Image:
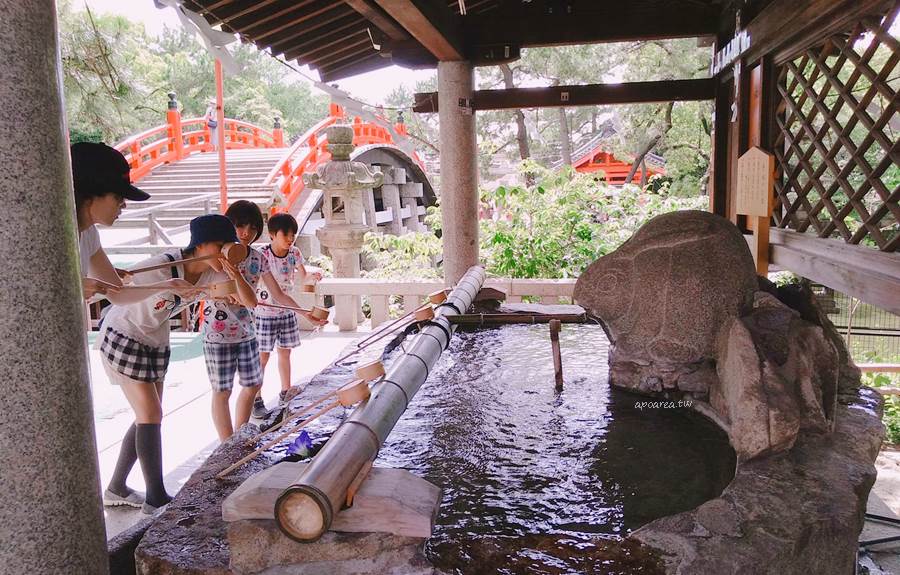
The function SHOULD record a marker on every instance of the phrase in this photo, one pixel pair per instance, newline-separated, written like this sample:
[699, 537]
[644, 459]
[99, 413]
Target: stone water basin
[539, 481]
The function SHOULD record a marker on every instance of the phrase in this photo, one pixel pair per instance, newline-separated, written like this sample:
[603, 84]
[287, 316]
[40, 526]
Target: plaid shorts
[282, 330]
[134, 359]
[223, 359]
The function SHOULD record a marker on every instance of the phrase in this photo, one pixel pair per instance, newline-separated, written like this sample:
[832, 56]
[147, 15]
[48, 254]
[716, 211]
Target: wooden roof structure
[809, 81]
[344, 38]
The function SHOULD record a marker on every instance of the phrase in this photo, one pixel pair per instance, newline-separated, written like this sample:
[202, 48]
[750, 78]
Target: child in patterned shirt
[229, 329]
[277, 327]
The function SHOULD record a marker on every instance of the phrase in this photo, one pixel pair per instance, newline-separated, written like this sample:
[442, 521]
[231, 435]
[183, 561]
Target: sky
[371, 88]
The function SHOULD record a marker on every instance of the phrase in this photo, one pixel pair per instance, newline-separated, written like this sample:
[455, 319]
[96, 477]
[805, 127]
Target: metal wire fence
[872, 334]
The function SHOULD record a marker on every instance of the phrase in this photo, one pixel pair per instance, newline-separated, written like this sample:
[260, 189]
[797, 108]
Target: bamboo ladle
[348, 395]
[424, 313]
[234, 253]
[434, 298]
[317, 312]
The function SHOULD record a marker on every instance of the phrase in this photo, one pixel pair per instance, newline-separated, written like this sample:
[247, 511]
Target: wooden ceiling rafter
[376, 17]
[434, 26]
[335, 36]
[308, 28]
[276, 14]
[419, 33]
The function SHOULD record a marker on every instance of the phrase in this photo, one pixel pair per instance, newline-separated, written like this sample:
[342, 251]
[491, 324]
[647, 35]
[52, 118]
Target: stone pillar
[409, 194]
[390, 196]
[51, 519]
[459, 172]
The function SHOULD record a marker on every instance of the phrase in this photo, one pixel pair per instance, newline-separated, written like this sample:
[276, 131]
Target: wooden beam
[786, 27]
[586, 95]
[379, 19]
[865, 273]
[588, 21]
[429, 22]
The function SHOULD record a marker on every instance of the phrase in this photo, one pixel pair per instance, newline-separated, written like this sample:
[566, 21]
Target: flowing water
[539, 481]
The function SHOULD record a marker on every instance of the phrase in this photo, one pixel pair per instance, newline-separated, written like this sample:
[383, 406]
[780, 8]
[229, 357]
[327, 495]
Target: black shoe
[259, 410]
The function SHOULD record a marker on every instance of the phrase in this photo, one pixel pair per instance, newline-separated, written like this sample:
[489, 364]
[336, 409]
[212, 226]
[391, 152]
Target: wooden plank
[431, 23]
[864, 273]
[585, 95]
[388, 501]
[880, 368]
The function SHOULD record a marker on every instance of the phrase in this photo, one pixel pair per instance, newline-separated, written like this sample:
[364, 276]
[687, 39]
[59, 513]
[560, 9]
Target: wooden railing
[178, 139]
[311, 148]
[348, 291]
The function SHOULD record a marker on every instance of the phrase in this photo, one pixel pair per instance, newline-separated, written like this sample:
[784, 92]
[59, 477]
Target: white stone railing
[347, 293]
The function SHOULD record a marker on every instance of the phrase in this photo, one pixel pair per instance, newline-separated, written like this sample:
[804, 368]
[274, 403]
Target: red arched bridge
[177, 164]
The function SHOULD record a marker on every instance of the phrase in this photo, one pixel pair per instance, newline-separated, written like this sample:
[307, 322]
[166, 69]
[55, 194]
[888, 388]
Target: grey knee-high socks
[127, 457]
[148, 441]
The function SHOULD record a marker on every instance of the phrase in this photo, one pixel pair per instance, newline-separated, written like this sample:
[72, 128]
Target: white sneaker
[133, 499]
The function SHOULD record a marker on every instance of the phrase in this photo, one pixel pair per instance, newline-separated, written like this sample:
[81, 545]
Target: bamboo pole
[305, 510]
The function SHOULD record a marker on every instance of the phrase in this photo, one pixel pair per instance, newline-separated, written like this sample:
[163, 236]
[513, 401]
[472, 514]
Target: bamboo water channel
[306, 509]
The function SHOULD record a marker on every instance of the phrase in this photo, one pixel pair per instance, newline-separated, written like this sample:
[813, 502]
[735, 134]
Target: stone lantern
[344, 185]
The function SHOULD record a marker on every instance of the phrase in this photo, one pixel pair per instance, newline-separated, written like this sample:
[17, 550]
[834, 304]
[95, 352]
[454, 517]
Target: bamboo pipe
[350, 394]
[234, 253]
[305, 510]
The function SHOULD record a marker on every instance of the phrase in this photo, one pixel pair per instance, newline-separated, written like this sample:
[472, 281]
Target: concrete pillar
[51, 519]
[459, 171]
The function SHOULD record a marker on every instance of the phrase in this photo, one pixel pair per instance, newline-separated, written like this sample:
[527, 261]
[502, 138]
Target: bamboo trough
[305, 510]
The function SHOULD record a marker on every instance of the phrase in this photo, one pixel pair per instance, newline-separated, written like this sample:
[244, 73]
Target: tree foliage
[116, 78]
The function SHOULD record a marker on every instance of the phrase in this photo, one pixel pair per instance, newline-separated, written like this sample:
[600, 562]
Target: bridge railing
[179, 138]
[311, 148]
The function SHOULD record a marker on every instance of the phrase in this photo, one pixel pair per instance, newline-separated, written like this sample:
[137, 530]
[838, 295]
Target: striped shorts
[281, 330]
[224, 359]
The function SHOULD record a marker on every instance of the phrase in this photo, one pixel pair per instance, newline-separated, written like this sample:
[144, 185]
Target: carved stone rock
[663, 297]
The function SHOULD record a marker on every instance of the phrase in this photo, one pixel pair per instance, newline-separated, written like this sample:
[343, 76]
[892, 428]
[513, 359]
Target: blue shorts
[281, 330]
[224, 359]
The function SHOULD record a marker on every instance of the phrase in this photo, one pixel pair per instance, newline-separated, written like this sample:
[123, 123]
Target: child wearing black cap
[102, 183]
[135, 348]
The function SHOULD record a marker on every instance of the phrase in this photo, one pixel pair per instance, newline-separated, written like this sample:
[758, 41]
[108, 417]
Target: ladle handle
[297, 427]
[362, 346]
[388, 327]
[289, 307]
[291, 416]
[173, 263]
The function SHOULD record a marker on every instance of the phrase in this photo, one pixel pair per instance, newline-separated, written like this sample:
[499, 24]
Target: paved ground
[885, 500]
[187, 430]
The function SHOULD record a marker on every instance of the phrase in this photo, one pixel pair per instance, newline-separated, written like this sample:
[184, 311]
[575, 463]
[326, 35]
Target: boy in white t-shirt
[278, 328]
[229, 329]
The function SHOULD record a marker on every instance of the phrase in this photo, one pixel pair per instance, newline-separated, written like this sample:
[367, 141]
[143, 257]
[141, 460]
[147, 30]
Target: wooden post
[220, 119]
[278, 134]
[555, 326]
[173, 118]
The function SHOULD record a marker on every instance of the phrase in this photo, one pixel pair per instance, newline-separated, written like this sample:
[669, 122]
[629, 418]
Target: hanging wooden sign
[755, 182]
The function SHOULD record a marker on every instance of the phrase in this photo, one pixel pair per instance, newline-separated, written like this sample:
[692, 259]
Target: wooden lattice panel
[835, 137]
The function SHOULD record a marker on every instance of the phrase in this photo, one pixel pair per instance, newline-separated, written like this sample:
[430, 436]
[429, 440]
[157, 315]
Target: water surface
[539, 481]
